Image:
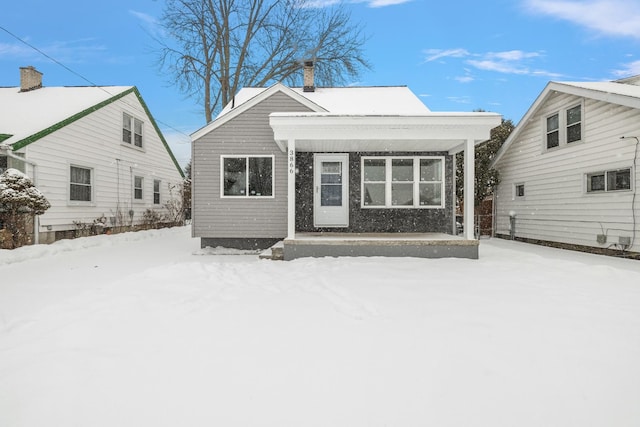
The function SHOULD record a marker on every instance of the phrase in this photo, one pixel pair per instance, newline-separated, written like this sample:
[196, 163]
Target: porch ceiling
[343, 133]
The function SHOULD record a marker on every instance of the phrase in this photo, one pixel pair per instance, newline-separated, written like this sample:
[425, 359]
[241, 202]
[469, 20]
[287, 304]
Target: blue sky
[457, 56]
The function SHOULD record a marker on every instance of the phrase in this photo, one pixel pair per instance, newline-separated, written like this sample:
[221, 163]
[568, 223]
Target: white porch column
[469, 190]
[291, 193]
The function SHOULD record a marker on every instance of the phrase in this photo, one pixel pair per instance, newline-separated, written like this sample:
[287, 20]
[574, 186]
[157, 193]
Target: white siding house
[92, 151]
[569, 171]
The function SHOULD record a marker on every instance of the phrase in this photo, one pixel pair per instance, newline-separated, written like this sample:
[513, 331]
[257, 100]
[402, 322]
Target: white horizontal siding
[556, 206]
[247, 134]
[94, 141]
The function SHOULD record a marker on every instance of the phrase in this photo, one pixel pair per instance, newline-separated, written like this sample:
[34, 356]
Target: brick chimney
[30, 79]
[309, 84]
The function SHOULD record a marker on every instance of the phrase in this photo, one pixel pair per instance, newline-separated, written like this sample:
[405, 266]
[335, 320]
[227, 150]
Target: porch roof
[431, 131]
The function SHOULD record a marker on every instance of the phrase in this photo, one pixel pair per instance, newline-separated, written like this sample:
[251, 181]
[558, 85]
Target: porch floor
[421, 245]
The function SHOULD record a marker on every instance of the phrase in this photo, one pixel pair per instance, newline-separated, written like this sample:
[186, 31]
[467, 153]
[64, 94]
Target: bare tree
[213, 48]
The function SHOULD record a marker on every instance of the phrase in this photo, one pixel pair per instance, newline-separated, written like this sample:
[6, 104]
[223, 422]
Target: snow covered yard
[145, 329]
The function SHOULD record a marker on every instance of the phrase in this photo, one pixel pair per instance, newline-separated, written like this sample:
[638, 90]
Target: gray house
[334, 171]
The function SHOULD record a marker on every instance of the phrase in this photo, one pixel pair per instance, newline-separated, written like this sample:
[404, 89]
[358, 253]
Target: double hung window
[156, 191]
[80, 184]
[138, 186]
[563, 127]
[247, 176]
[132, 130]
[402, 182]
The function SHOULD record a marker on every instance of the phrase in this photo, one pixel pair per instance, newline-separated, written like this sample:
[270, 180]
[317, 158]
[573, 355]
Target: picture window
[247, 176]
[402, 182]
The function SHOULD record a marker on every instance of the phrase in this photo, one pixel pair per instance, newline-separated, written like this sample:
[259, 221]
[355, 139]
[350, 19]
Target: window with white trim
[607, 181]
[563, 127]
[132, 129]
[247, 176]
[138, 186]
[80, 187]
[518, 190]
[156, 191]
[402, 182]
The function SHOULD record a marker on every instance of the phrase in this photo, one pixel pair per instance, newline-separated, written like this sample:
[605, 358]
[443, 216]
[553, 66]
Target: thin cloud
[506, 62]
[460, 99]
[627, 70]
[68, 52]
[369, 3]
[384, 3]
[610, 17]
[149, 23]
[464, 79]
[434, 54]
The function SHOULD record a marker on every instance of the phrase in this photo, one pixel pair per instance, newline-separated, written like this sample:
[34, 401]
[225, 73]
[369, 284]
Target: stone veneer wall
[373, 220]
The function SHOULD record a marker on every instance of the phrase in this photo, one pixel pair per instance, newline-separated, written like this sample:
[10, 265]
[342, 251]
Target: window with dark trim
[80, 188]
[611, 180]
[247, 176]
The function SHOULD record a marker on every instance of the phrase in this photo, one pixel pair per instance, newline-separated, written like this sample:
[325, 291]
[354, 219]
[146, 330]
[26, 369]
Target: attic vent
[309, 84]
[30, 79]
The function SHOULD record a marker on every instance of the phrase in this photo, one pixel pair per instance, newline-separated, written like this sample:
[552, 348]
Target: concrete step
[274, 253]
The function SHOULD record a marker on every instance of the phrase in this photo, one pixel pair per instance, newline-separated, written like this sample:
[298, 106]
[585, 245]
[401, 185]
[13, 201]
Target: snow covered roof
[624, 92]
[24, 114]
[366, 101]
[373, 100]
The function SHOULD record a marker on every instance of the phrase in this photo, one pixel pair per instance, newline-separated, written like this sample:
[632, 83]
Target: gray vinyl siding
[247, 134]
[556, 206]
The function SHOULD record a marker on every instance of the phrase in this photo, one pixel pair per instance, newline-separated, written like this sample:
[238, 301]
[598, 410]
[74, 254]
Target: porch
[418, 245]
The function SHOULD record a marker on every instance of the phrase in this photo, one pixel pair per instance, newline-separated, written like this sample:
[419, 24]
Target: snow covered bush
[19, 199]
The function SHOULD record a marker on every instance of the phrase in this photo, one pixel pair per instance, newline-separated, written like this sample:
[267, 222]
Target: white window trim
[515, 195]
[247, 156]
[132, 144]
[585, 181]
[563, 127]
[159, 193]
[133, 189]
[93, 186]
[416, 182]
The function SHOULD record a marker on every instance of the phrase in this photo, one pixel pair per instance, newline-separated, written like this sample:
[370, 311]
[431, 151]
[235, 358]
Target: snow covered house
[569, 170]
[333, 171]
[94, 152]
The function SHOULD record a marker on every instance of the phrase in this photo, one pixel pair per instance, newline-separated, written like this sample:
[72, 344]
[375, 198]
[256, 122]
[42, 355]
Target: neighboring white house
[92, 151]
[325, 168]
[569, 171]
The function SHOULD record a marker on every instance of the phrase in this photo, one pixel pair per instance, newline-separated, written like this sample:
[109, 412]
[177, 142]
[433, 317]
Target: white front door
[331, 190]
